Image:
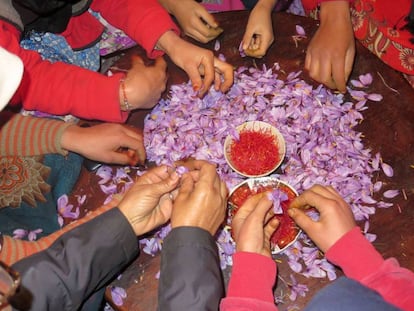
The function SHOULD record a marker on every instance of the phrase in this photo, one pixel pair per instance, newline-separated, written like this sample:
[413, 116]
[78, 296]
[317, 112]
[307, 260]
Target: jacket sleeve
[30, 136]
[251, 283]
[361, 261]
[78, 263]
[59, 88]
[145, 21]
[190, 277]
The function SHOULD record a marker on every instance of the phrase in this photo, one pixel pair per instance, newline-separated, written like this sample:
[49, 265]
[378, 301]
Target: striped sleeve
[30, 136]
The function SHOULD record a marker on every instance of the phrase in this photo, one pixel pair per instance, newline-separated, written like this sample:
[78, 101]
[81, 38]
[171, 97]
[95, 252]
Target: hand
[254, 224]
[147, 204]
[194, 19]
[259, 30]
[331, 52]
[144, 85]
[104, 142]
[336, 217]
[200, 64]
[202, 198]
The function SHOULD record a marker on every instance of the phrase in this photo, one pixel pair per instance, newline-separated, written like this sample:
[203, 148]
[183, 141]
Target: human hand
[147, 204]
[335, 220]
[194, 19]
[201, 66]
[143, 85]
[254, 224]
[259, 30]
[201, 200]
[106, 142]
[331, 52]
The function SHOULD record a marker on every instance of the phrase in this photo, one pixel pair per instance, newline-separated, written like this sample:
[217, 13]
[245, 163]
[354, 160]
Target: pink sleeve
[59, 88]
[145, 21]
[251, 283]
[361, 261]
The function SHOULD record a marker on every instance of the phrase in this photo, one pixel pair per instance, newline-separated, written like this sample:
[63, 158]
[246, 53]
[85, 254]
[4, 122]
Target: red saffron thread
[287, 230]
[255, 153]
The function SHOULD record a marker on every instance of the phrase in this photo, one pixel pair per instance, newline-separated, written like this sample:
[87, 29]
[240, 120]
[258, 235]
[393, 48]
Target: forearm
[79, 262]
[190, 276]
[361, 261]
[30, 136]
[251, 283]
[135, 18]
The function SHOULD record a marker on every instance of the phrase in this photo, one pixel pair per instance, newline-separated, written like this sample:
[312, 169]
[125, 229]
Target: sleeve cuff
[253, 276]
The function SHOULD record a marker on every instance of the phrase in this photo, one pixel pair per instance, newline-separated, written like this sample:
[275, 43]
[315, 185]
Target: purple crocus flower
[118, 295]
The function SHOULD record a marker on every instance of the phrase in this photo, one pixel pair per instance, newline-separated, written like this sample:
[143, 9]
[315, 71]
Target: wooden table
[388, 128]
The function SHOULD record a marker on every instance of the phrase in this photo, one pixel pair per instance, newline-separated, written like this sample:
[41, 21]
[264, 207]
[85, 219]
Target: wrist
[335, 11]
[167, 41]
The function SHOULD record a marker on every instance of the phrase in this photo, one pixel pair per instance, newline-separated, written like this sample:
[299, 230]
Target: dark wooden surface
[388, 127]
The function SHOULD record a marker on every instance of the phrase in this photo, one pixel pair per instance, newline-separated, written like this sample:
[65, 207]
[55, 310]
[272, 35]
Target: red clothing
[61, 88]
[252, 276]
[379, 26]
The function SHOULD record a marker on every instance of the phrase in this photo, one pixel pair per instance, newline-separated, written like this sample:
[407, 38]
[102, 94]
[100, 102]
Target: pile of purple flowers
[322, 143]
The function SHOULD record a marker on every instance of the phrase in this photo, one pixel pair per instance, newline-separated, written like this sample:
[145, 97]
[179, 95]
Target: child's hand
[259, 30]
[103, 143]
[194, 19]
[253, 225]
[143, 84]
[335, 219]
[201, 66]
[331, 52]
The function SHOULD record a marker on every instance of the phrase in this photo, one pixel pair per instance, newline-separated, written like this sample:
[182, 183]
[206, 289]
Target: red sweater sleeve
[143, 20]
[251, 282]
[59, 88]
[361, 261]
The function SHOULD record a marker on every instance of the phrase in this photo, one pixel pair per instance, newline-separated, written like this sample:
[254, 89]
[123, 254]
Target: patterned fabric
[380, 25]
[22, 179]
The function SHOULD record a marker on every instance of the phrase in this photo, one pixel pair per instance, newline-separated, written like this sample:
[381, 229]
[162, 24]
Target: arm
[336, 234]
[254, 271]
[361, 261]
[87, 257]
[194, 19]
[77, 264]
[259, 30]
[330, 54]
[61, 88]
[190, 277]
[136, 16]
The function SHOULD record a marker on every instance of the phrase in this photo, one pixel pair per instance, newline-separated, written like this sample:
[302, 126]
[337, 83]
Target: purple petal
[300, 30]
[389, 194]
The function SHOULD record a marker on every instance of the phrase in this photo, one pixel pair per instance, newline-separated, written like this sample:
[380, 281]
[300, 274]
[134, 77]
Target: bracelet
[125, 105]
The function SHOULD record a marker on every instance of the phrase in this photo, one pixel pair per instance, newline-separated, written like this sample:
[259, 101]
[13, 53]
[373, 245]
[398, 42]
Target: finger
[308, 61]
[270, 228]
[160, 63]
[349, 62]
[153, 175]
[207, 18]
[301, 219]
[137, 61]
[209, 74]
[338, 74]
[225, 74]
[325, 74]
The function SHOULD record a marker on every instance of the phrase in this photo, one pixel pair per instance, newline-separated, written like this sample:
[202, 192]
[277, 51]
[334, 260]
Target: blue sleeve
[78, 263]
[190, 277]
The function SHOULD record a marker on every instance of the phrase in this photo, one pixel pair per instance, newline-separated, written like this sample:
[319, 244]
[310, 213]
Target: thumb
[166, 185]
[300, 218]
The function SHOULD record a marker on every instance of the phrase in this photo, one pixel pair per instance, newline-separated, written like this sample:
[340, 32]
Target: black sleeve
[79, 262]
[190, 277]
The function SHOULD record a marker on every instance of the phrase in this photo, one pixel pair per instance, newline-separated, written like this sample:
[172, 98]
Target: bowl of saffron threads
[281, 194]
[255, 149]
